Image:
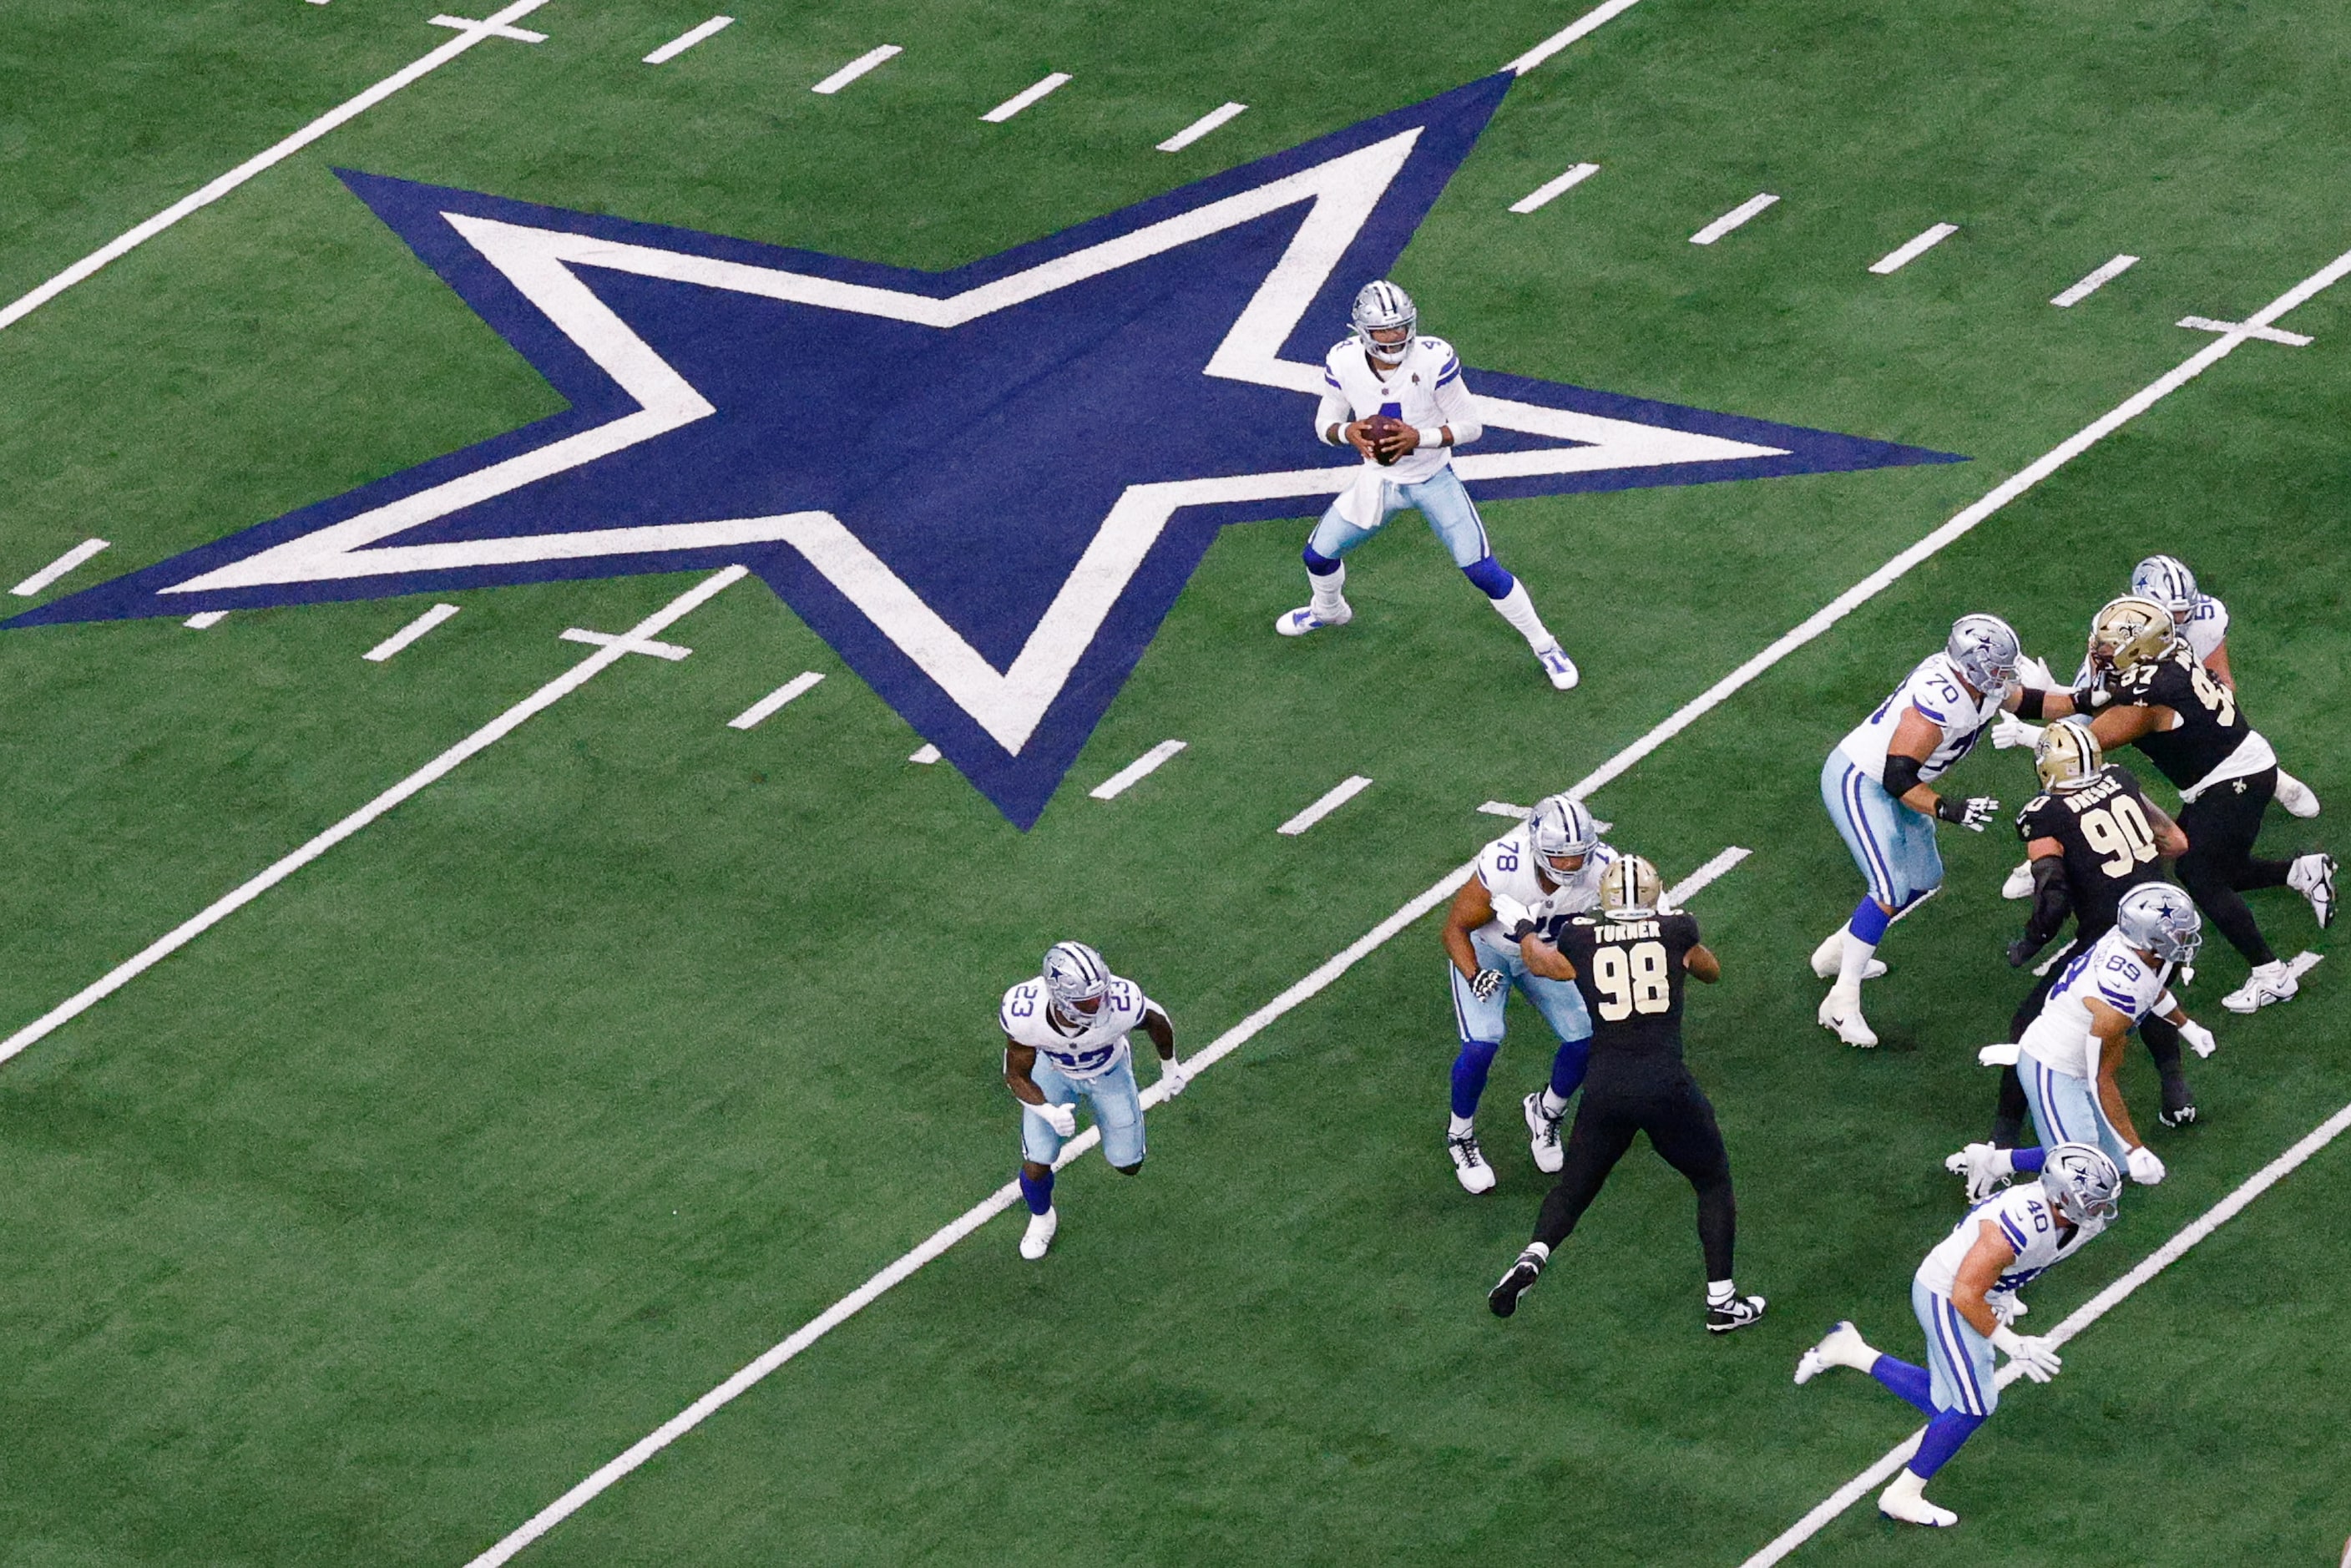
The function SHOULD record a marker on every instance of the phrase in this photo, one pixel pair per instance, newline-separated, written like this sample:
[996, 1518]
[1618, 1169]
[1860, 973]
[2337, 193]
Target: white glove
[1172, 1077]
[1509, 911]
[2029, 1352]
[2036, 674]
[1977, 812]
[1983, 1167]
[2008, 731]
[2145, 1168]
[2200, 1039]
[2004, 1054]
[1485, 983]
[1062, 1119]
[2006, 1305]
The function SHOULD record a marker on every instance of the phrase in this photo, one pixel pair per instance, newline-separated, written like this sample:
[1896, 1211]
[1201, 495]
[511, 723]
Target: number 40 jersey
[1632, 975]
[2109, 840]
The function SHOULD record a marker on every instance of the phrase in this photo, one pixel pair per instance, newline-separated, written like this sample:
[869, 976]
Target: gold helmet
[2067, 754]
[2129, 631]
[1630, 889]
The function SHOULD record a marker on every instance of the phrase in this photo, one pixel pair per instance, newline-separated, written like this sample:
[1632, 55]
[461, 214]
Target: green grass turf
[365, 1227]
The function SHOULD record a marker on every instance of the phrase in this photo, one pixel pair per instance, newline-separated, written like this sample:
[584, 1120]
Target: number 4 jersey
[2108, 842]
[1632, 975]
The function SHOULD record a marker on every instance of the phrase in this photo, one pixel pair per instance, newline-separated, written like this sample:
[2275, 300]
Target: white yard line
[1568, 34]
[1202, 126]
[489, 735]
[687, 39]
[626, 642]
[926, 756]
[1023, 99]
[765, 709]
[1338, 795]
[59, 568]
[857, 67]
[2082, 1317]
[1895, 260]
[1134, 772]
[2266, 334]
[347, 110]
[1504, 808]
[1551, 189]
[409, 634]
[1733, 218]
[205, 621]
[1682, 891]
[904, 1268]
[2096, 281]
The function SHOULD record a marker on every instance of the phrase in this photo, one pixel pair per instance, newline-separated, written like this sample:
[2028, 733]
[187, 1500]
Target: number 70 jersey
[1631, 974]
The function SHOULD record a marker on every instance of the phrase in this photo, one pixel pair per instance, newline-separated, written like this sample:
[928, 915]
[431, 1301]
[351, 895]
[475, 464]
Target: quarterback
[1398, 399]
[1065, 1035]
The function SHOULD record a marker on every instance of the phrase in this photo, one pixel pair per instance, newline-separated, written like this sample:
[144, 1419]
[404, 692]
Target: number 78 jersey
[1632, 975]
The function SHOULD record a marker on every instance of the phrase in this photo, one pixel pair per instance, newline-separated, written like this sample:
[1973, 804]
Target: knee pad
[1319, 564]
[1487, 574]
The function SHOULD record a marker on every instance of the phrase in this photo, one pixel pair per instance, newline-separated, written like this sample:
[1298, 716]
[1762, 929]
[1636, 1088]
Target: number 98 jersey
[1632, 975]
[2108, 841]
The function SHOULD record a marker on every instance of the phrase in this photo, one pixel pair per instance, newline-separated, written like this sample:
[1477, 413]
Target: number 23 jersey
[1094, 1048]
[1631, 974]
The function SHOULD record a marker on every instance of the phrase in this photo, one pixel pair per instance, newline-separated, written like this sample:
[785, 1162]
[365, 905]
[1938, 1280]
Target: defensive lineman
[1535, 875]
[1965, 1294]
[1065, 1035]
[1385, 370]
[1631, 961]
[1875, 785]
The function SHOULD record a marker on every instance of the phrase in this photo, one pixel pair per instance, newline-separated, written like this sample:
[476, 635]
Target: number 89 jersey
[2108, 841]
[1632, 975]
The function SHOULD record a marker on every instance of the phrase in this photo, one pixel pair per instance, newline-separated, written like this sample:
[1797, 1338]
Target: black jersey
[2211, 725]
[2107, 833]
[1632, 975]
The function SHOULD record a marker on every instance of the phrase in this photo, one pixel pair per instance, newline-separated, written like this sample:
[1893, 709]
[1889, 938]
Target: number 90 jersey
[2107, 839]
[1507, 868]
[2025, 1222]
[1935, 690]
[1095, 1048]
[1632, 975]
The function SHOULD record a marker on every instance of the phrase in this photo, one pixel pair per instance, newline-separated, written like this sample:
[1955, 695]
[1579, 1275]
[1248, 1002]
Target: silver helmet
[2082, 1182]
[1985, 650]
[1560, 828]
[1381, 307]
[2157, 917]
[1075, 974]
[2167, 579]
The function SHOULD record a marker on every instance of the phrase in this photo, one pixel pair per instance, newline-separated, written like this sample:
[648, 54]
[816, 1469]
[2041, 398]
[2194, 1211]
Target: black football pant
[2161, 1035]
[2218, 867]
[1668, 1105]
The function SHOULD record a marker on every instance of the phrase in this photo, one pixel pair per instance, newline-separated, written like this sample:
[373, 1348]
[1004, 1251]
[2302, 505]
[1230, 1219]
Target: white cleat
[2295, 796]
[1558, 667]
[1040, 1234]
[1980, 1164]
[1542, 1136]
[1840, 1346]
[2269, 982]
[1306, 618]
[1469, 1163]
[2018, 883]
[1895, 1503]
[1841, 1014]
[2312, 876]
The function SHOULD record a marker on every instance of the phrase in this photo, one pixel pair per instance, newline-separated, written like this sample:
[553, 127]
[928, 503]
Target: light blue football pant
[1893, 845]
[1561, 1004]
[1958, 1359]
[1117, 1105]
[1452, 517]
[2065, 1109]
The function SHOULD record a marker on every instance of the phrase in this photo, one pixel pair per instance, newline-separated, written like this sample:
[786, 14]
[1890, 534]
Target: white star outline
[1009, 704]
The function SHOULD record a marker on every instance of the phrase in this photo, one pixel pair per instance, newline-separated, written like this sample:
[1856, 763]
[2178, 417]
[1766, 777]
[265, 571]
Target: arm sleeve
[1901, 774]
[1460, 410]
[2050, 900]
[1333, 409]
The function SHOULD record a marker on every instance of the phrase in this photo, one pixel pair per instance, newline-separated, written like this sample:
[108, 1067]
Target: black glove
[2020, 951]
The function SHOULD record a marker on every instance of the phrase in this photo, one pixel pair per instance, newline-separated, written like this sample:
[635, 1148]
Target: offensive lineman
[1630, 961]
[2162, 700]
[1385, 371]
[2091, 835]
[1965, 1296]
[1065, 1035]
[1540, 872]
[1875, 785]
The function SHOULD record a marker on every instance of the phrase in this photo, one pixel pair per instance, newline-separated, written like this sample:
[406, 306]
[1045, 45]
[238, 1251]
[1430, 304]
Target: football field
[434, 1068]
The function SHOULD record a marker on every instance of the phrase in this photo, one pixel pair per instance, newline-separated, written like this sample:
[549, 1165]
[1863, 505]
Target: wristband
[2029, 703]
[1947, 812]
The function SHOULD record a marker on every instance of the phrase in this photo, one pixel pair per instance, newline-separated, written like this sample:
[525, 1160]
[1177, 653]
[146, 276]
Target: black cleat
[2178, 1104]
[1735, 1313]
[1504, 1298]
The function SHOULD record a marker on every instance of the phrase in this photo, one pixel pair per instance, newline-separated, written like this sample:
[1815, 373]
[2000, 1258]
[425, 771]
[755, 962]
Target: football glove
[2200, 1039]
[2145, 1168]
[1486, 984]
[1172, 1077]
[2008, 731]
[1509, 912]
[1062, 1119]
[2030, 1352]
[1974, 815]
[2006, 1305]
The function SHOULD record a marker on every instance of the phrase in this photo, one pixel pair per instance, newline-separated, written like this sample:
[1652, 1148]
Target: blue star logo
[983, 487]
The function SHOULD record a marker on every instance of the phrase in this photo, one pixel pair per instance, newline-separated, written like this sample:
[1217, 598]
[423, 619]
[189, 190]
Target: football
[1383, 432]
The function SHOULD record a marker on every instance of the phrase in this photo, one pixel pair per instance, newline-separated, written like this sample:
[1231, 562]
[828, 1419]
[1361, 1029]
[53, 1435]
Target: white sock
[1855, 960]
[1518, 610]
[1908, 1487]
[1459, 1126]
[1552, 1105]
[1719, 1292]
[1325, 586]
[1540, 1250]
[1830, 954]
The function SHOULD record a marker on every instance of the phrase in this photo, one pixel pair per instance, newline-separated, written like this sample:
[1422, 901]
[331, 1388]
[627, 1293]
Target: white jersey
[2207, 627]
[1425, 389]
[1089, 1050]
[2026, 1222]
[1934, 688]
[1507, 868]
[2113, 973]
